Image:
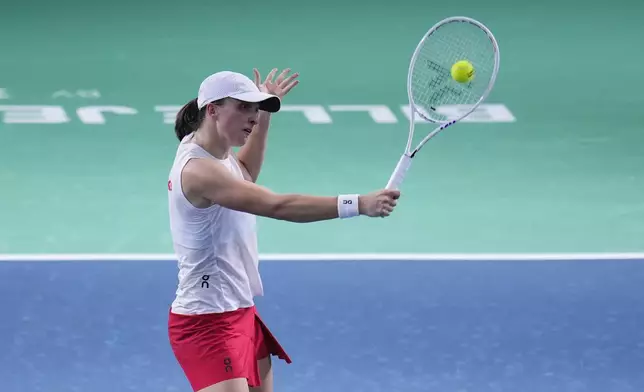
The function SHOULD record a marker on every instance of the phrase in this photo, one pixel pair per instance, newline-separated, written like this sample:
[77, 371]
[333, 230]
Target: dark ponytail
[188, 119]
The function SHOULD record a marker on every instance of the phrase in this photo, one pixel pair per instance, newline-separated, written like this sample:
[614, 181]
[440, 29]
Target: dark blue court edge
[479, 326]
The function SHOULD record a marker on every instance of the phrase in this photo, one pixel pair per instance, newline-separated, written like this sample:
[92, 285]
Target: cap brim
[267, 102]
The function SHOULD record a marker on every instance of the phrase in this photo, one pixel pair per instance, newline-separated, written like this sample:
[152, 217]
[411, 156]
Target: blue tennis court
[349, 325]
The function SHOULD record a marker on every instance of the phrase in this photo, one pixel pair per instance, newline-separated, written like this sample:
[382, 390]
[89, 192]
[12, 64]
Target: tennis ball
[462, 71]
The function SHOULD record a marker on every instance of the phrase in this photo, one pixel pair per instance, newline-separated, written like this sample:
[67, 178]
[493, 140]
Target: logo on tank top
[170, 185]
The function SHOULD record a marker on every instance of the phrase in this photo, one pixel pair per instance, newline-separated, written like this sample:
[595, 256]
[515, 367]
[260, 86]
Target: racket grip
[399, 173]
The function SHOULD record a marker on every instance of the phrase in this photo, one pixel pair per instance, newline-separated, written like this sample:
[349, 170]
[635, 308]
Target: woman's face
[235, 120]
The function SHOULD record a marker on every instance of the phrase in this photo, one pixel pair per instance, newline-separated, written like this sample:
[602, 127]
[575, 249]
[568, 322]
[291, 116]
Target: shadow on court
[349, 326]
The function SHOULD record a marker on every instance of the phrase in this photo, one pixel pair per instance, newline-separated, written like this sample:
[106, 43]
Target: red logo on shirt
[169, 185]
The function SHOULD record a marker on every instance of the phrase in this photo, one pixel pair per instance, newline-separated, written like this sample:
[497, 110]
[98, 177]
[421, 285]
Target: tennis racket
[430, 84]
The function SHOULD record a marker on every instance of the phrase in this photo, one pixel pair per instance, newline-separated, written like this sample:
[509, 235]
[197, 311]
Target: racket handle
[399, 173]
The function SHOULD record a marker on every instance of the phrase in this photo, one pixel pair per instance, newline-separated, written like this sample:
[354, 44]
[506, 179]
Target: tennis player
[216, 334]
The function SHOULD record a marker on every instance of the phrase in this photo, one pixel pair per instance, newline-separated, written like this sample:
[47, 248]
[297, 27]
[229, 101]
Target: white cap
[228, 84]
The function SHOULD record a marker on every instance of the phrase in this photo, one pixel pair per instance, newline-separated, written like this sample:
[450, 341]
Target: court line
[84, 257]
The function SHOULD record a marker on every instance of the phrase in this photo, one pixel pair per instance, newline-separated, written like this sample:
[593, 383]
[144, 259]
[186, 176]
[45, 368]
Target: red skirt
[215, 347]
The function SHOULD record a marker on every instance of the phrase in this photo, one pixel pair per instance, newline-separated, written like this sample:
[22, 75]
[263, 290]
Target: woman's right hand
[378, 204]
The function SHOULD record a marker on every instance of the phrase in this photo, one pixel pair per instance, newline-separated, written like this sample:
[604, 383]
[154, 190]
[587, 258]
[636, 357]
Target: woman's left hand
[281, 86]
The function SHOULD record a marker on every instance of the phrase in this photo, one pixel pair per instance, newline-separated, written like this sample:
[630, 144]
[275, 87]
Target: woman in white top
[215, 332]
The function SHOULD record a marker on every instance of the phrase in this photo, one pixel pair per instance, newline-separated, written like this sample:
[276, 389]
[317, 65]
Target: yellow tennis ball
[462, 71]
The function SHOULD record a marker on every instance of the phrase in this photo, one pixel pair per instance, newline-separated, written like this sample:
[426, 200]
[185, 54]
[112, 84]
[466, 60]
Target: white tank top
[216, 247]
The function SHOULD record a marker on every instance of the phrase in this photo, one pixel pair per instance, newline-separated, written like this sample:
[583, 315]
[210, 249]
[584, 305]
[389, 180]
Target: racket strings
[442, 87]
[431, 82]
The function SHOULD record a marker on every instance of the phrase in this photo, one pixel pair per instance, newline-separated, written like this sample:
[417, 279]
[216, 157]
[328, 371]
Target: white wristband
[348, 206]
